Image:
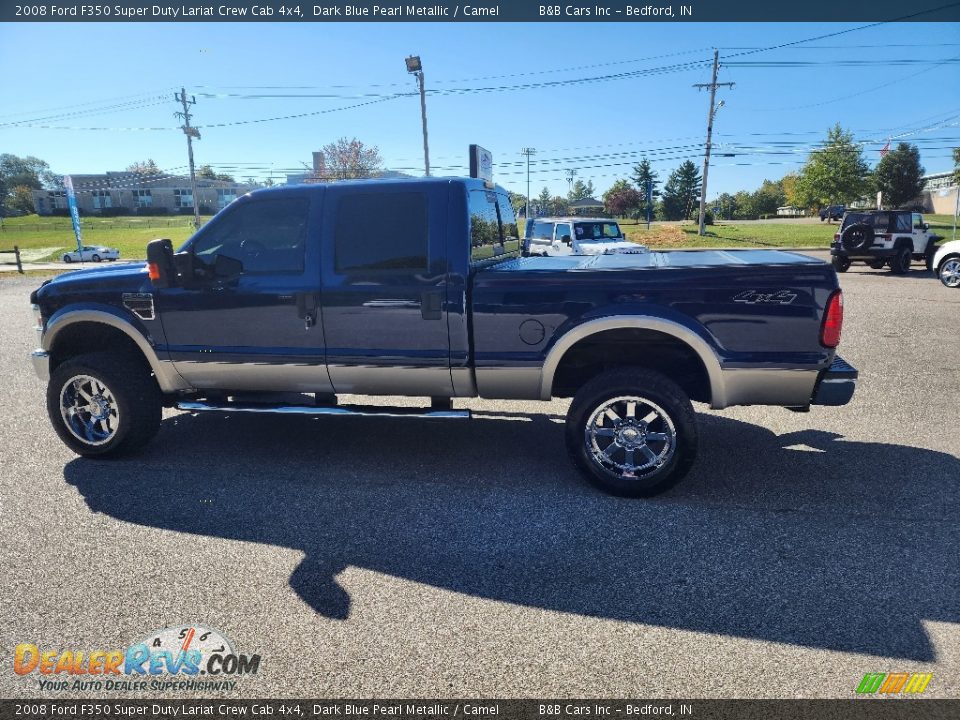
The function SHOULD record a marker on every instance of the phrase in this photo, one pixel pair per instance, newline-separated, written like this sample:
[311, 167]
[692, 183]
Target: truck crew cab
[418, 288]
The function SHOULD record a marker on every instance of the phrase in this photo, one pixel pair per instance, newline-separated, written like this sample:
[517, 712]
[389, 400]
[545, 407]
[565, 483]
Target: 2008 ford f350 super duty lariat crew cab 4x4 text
[418, 288]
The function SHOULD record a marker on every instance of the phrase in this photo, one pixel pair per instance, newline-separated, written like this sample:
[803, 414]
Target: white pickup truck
[577, 236]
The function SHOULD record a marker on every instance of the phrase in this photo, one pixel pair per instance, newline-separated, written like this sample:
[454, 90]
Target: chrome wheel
[950, 273]
[89, 410]
[630, 437]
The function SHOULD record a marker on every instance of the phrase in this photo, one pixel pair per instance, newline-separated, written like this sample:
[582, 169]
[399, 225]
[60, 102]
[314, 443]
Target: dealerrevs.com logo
[186, 657]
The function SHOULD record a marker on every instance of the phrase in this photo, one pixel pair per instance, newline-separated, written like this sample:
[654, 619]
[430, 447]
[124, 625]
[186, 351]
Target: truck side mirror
[566, 240]
[926, 226]
[160, 263]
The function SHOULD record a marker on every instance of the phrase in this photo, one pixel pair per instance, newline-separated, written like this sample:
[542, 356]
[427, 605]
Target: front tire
[67, 259]
[840, 264]
[632, 432]
[949, 272]
[96, 258]
[900, 263]
[104, 404]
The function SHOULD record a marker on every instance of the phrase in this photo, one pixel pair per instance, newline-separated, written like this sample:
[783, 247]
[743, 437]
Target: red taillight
[832, 321]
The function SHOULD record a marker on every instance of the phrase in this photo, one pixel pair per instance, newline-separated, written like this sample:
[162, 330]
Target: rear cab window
[493, 226]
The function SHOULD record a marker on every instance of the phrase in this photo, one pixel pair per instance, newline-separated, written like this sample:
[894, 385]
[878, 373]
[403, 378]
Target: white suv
[883, 237]
[577, 236]
[946, 264]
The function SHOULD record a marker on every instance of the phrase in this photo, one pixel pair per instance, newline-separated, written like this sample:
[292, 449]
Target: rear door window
[381, 232]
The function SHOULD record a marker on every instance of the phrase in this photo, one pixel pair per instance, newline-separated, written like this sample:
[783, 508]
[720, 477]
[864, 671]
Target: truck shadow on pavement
[805, 539]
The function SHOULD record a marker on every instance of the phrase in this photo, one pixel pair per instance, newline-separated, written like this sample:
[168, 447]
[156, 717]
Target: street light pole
[415, 67]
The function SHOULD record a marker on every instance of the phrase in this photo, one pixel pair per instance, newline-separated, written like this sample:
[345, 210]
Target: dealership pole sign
[74, 212]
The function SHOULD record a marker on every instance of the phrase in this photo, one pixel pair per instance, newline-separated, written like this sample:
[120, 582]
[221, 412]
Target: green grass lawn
[46, 238]
[54, 235]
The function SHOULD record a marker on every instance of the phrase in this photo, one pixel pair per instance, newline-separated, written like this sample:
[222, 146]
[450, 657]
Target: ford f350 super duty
[418, 288]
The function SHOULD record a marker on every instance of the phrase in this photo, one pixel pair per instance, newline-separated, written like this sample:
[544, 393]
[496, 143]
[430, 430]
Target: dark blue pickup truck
[419, 288]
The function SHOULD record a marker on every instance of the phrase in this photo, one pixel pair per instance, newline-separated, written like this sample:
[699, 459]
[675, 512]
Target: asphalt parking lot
[405, 558]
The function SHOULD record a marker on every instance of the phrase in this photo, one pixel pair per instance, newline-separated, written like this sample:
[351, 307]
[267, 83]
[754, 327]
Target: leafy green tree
[834, 173]
[543, 201]
[898, 174]
[643, 174]
[727, 204]
[768, 198]
[581, 190]
[622, 199]
[21, 199]
[956, 165]
[30, 171]
[681, 193]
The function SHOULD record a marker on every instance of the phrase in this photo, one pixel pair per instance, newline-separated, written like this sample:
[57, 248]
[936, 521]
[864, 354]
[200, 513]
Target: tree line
[836, 172]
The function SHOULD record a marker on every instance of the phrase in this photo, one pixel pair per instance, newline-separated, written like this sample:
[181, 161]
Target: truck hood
[100, 280]
[606, 248]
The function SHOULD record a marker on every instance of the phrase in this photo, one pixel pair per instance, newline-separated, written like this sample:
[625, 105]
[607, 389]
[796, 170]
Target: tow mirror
[160, 263]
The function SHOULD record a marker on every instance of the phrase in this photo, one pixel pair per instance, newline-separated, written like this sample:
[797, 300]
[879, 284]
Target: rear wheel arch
[600, 345]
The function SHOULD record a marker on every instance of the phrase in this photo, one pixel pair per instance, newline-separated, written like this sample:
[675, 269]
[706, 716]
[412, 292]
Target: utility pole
[528, 152]
[191, 133]
[713, 85]
[571, 174]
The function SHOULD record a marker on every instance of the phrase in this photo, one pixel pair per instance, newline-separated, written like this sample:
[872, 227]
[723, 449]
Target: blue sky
[117, 76]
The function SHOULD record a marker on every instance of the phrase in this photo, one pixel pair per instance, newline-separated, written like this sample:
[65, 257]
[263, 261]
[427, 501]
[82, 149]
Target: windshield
[594, 231]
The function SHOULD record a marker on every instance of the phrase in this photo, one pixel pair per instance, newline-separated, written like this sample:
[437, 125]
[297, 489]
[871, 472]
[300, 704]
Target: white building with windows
[116, 193]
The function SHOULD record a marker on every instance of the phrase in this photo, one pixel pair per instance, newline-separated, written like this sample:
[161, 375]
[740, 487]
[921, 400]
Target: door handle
[432, 305]
[307, 309]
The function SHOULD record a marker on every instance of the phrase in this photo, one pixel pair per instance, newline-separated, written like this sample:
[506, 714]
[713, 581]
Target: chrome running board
[355, 410]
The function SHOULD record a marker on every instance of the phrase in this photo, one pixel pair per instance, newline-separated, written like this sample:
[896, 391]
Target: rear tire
[840, 264]
[900, 263]
[877, 264]
[104, 404]
[96, 258]
[632, 432]
[67, 259]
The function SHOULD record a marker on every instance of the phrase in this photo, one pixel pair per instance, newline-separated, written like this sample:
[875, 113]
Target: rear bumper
[874, 253]
[836, 384]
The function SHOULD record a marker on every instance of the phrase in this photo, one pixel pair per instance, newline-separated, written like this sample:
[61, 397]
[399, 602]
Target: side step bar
[355, 410]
